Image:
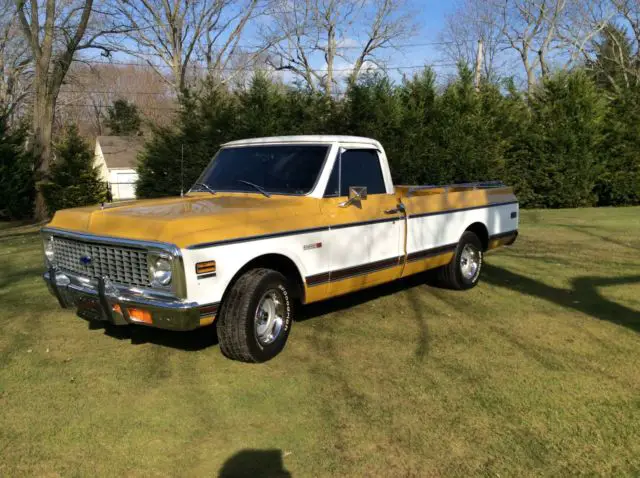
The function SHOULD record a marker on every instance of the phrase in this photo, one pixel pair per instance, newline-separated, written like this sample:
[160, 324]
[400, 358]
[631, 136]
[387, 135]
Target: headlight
[48, 249]
[160, 270]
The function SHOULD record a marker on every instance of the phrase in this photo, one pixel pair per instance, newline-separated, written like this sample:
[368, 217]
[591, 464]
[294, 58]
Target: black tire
[451, 276]
[236, 329]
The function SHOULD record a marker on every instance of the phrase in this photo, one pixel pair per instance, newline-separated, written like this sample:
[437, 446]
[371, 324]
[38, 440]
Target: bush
[73, 179]
[123, 118]
[17, 187]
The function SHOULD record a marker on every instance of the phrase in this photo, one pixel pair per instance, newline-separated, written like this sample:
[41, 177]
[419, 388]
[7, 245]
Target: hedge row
[569, 145]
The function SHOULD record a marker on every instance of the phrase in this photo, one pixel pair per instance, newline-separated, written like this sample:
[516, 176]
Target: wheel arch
[480, 230]
[275, 261]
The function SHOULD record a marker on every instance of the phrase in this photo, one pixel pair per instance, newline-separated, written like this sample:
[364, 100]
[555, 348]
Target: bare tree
[90, 89]
[470, 22]
[14, 62]
[174, 34]
[55, 32]
[308, 33]
[530, 27]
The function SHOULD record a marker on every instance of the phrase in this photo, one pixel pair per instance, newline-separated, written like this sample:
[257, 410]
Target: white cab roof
[312, 138]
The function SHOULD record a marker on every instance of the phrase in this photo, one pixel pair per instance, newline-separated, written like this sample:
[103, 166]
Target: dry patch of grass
[535, 371]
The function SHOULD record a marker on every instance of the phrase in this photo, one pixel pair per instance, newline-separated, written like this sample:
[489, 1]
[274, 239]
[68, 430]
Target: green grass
[534, 372]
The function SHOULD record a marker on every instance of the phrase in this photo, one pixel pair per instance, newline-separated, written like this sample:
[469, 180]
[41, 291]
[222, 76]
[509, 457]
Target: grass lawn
[534, 372]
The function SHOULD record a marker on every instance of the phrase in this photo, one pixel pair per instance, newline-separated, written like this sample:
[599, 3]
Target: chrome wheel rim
[269, 317]
[470, 262]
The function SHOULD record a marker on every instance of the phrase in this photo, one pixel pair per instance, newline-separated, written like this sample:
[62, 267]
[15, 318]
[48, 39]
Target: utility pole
[478, 71]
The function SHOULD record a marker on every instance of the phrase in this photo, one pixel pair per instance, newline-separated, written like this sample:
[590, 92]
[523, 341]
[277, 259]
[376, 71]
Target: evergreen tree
[262, 109]
[615, 67]
[619, 183]
[73, 179]
[17, 188]
[205, 121]
[561, 153]
[123, 119]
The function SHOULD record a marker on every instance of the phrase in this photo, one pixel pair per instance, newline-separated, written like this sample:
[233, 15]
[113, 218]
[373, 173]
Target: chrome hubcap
[469, 261]
[270, 316]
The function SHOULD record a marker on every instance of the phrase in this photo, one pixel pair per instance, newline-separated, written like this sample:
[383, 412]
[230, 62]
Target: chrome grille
[123, 265]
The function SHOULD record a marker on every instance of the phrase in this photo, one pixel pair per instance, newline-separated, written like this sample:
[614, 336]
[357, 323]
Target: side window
[360, 167]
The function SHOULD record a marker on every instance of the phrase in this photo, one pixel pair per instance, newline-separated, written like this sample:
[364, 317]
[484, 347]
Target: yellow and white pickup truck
[270, 223]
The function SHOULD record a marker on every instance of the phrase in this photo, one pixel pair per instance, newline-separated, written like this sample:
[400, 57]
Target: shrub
[17, 187]
[73, 179]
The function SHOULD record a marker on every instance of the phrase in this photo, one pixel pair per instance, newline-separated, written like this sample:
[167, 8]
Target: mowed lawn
[534, 372]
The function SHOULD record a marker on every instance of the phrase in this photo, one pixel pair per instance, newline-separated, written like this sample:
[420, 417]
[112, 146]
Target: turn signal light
[140, 315]
[205, 267]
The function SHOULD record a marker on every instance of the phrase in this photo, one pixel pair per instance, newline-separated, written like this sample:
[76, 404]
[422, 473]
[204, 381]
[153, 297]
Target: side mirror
[357, 194]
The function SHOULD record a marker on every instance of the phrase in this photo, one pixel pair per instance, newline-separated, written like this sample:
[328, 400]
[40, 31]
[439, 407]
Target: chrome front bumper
[99, 299]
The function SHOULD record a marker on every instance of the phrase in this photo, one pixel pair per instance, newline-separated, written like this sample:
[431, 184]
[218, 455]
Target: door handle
[396, 210]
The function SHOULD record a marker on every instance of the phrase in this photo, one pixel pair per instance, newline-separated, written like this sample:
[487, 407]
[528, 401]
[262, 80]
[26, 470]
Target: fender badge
[315, 245]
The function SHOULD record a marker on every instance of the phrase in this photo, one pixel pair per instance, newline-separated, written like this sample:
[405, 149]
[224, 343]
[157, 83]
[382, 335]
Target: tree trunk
[42, 124]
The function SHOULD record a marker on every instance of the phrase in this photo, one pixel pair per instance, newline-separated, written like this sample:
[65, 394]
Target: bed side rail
[447, 187]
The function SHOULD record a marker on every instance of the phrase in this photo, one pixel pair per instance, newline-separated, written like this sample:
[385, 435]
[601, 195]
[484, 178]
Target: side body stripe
[340, 274]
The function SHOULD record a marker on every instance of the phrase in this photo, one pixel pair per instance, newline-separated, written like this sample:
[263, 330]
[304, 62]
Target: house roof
[120, 151]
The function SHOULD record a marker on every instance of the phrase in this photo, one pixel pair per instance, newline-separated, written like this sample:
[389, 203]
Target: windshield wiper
[204, 186]
[260, 189]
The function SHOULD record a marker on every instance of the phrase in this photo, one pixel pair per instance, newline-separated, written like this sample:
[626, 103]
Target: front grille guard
[178, 283]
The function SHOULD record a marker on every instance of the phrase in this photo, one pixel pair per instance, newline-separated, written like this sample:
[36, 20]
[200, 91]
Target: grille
[122, 265]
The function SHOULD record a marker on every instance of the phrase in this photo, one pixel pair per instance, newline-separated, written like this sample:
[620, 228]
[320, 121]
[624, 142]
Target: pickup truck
[271, 223]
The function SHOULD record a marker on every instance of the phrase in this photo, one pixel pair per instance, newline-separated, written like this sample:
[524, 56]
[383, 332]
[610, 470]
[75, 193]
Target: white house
[117, 158]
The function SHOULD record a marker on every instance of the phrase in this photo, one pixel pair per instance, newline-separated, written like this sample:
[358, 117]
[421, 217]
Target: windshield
[286, 169]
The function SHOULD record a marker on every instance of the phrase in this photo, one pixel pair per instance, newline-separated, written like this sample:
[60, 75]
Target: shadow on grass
[348, 301]
[202, 338]
[190, 341]
[256, 464]
[582, 297]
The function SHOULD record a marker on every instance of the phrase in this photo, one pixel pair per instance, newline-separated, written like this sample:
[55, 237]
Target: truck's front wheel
[256, 316]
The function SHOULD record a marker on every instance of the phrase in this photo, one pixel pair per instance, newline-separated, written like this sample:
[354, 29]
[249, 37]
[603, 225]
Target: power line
[317, 70]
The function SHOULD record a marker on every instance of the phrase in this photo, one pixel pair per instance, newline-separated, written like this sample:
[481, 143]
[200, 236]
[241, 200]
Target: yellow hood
[194, 219]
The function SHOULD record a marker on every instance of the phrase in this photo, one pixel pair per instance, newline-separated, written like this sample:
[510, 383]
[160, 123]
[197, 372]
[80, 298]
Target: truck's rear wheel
[463, 272]
[256, 316]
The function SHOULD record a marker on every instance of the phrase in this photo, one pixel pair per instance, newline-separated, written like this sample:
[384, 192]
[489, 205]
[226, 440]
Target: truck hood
[193, 219]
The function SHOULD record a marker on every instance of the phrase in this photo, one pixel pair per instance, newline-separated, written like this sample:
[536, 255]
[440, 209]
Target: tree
[172, 34]
[14, 63]
[55, 32]
[206, 119]
[534, 33]
[74, 179]
[123, 118]
[560, 153]
[16, 176]
[311, 32]
[470, 22]
[615, 68]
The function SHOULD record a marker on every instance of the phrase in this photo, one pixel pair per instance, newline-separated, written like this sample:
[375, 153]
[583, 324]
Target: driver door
[365, 236]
